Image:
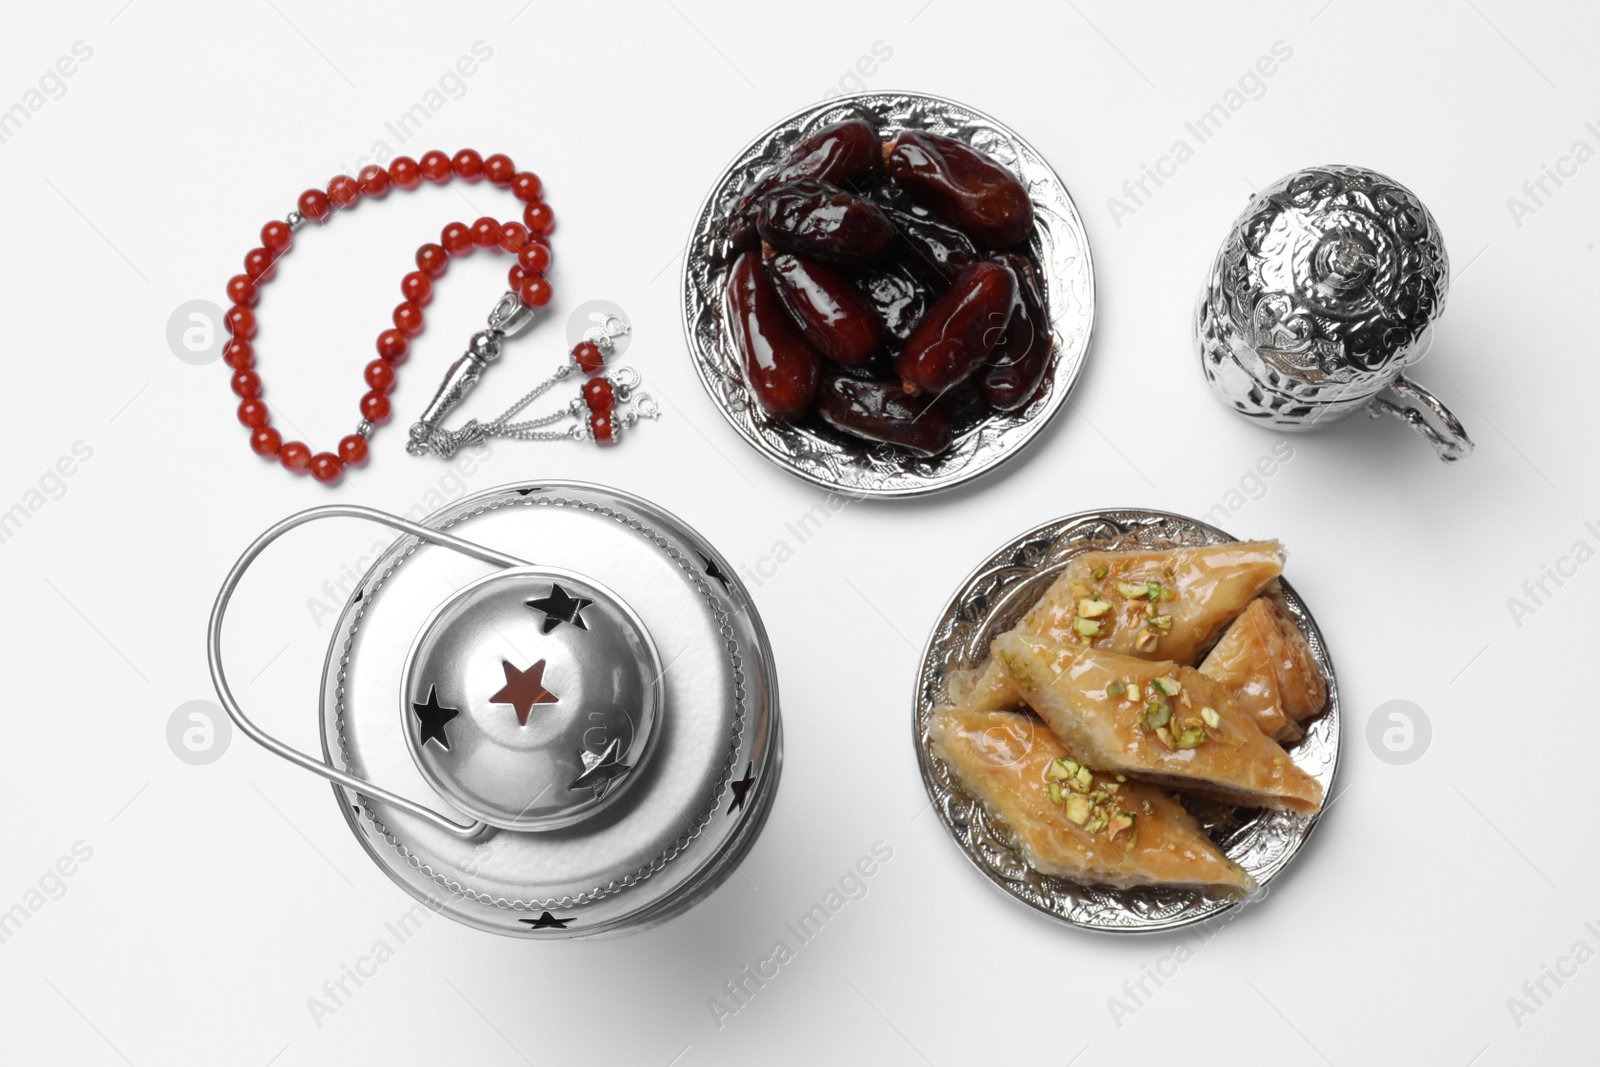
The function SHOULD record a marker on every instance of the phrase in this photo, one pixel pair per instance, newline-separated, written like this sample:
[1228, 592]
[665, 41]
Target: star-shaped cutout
[524, 689]
[431, 719]
[546, 921]
[559, 607]
[601, 770]
[714, 571]
[741, 787]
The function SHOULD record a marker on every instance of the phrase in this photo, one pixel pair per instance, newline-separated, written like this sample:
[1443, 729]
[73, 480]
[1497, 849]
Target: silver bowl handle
[1422, 411]
[272, 744]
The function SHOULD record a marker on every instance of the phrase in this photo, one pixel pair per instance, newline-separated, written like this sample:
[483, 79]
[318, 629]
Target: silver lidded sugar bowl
[548, 710]
[1325, 289]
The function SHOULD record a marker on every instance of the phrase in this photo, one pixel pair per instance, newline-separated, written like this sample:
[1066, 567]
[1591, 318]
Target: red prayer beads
[457, 239]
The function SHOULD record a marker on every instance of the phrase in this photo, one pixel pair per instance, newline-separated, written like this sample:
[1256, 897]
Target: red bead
[535, 291]
[276, 237]
[602, 429]
[408, 318]
[486, 233]
[326, 468]
[344, 191]
[254, 414]
[535, 256]
[467, 165]
[295, 457]
[435, 166]
[315, 205]
[241, 290]
[380, 375]
[392, 346]
[374, 181]
[540, 219]
[246, 384]
[239, 354]
[589, 358]
[597, 393]
[527, 187]
[417, 287]
[405, 173]
[258, 264]
[432, 259]
[457, 239]
[513, 235]
[240, 322]
[516, 276]
[375, 408]
[266, 441]
[499, 169]
[353, 449]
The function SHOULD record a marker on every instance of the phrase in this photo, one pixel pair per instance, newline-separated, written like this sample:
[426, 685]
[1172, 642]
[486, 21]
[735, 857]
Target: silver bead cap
[531, 697]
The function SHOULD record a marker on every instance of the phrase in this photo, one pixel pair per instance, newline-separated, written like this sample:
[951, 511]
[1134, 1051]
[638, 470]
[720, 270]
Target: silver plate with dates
[834, 460]
[994, 598]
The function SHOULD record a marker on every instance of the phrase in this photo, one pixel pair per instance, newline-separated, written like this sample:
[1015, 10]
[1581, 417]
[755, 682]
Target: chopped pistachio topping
[1086, 627]
[1093, 609]
[1085, 777]
[1096, 824]
[1133, 691]
[1078, 808]
[1161, 623]
[1121, 821]
[1057, 771]
[1145, 641]
[1018, 670]
[1122, 778]
[1156, 712]
[1168, 594]
[1168, 686]
[1131, 590]
[1152, 590]
[1190, 737]
[1166, 736]
[1116, 689]
[1100, 572]
[1055, 792]
[1210, 716]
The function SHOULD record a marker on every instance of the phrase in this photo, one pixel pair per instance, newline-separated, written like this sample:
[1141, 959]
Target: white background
[219, 898]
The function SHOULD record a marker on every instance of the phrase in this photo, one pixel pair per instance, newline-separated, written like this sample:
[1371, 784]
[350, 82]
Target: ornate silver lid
[1323, 291]
[581, 745]
[530, 698]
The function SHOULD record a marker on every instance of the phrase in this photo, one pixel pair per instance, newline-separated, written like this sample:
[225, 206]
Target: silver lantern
[1325, 289]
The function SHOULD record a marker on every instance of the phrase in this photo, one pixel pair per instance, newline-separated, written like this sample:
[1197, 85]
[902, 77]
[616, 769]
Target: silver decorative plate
[837, 461]
[991, 600]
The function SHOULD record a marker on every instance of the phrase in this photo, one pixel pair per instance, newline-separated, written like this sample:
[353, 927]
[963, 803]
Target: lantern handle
[1423, 412]
[272, 744]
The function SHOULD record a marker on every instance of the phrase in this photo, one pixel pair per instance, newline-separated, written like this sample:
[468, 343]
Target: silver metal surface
[550, 688]
[1325, 289]
[837, 461]
[255, 733]
[993, 598]
[681, 816]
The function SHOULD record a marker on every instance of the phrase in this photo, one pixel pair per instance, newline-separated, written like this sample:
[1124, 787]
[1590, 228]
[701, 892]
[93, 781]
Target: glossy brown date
[896, 294]
[831, 312]
[968, 188]
[881, 411]
[932, 248]
[780, 366]
[821, 221]
[835, 153]
[1011, 375]
[960, 330]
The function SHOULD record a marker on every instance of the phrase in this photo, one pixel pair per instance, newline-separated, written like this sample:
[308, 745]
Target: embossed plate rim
[1067, 364]
[1188, 906]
